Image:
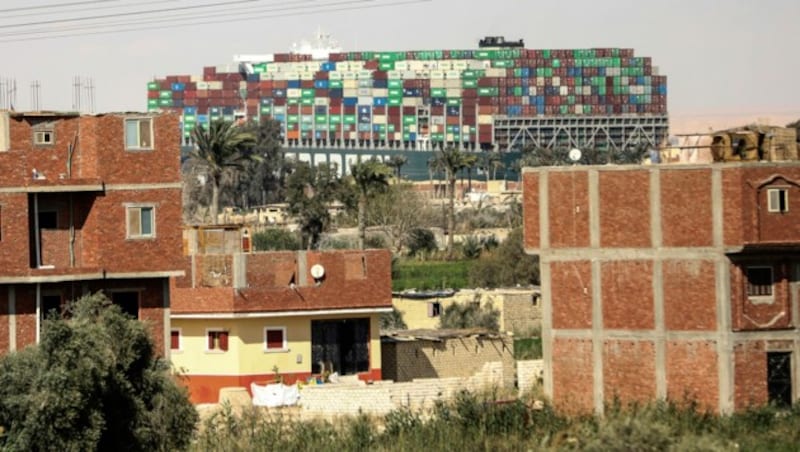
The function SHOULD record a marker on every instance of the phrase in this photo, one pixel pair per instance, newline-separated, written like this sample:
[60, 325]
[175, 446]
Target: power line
[129, 13]
[55, 5]
[82, 10]
[213, 22]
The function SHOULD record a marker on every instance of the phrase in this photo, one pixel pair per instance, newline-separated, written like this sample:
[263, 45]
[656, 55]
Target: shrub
[276, 240]
[92, 383]
[470, 315]
[420, 240]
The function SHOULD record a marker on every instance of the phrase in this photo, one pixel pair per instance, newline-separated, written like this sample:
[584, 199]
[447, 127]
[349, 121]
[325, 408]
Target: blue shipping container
[178, 86]
[335, 93]
[380, 83]
[379, 101]
[320, 84]
[328, 66]
[190, 111]
[350, 101]
[293, 83]
[266, 101]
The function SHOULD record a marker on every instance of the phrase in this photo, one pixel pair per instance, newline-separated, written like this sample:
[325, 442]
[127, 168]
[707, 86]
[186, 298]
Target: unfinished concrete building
[87, 203]
[668, 282]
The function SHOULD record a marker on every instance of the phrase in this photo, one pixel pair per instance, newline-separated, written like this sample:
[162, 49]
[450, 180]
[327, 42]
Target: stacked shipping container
[430, 96]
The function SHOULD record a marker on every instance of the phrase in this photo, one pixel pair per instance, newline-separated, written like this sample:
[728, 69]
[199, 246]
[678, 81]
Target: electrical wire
[250, 17]
[54, 5]
[83, 10]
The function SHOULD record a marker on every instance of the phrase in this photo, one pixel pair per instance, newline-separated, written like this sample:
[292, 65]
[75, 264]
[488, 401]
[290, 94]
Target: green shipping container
[307, 92]
[293, 101]
[409, 120]
[165, 102]
[349, 119]
[152, 102]
[453, 101]
[502, 63]
[395, 93]
[260, 68]
[394, 84]
[336, 119]
[266, 110]
[152, 86]
[165, 95]
[189, 119]
[307, 101]
[386, 66]
[321, 119]
[438, 92]
[488, 91]
[469, 83]
[292, 118]
[395, 102]
[334, 84]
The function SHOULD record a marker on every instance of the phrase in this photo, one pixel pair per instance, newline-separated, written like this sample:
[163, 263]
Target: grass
[481, 423]
[430, 275]
[528, 348]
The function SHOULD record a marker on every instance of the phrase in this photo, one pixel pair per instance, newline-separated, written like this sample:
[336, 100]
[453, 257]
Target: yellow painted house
[519, 309]
[238, 318]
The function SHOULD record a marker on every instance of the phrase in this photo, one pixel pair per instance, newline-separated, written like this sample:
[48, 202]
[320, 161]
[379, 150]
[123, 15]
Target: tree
[92, 383]
[262, 180]
[222, 149]
[489, 162]
[450, 160]
[506, 266]
[470, 315]
[275, 239]
[310, 190]
[469, 163]
[390, 321]
[396, 162]
[398, 210]
[370, 177]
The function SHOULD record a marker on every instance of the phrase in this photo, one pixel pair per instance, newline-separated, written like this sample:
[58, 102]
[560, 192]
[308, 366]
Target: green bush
[276, 239]
[528, 348]
[470, 315]
[420, 241]
[92, 383]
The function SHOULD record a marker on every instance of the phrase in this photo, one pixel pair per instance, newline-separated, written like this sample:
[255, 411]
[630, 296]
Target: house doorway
[340, 346]
[779, 378]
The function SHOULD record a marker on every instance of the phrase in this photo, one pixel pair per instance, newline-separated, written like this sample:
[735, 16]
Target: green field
[429, 275]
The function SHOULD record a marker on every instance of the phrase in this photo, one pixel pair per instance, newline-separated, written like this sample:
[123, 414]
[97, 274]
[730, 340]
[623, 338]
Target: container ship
[334, 106]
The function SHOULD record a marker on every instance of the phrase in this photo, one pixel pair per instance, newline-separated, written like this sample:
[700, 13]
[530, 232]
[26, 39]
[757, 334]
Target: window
[778, 200]
[275, 339]
[43, 137]
[175, 339]
[128, 301]
[434, 309]
[139, 133]
[759, 281]
[217, 341]
[141, 221]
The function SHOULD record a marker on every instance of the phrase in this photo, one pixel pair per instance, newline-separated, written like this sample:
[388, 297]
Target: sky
[725, 60]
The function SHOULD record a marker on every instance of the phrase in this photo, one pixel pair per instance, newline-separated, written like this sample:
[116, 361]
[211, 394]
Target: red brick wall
[733, 217]
[26, 315]
[571, 294]
[750, 374]
[779, 226]
[568, 209]
[692, 373]
[530, 209]
[572, 375]
[754, 314]
[686, 208]
[624, 209]
[4, 333]
[629, 370]
[627, 290]
[14, 237]
[689, 295]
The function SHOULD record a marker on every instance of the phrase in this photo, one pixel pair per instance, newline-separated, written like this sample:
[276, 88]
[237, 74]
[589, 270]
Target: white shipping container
[453, 92]
[394, 75]
[532, 91]
[416, 65]
[400, 66]
[452, 84]
[540, 81]
[564, 91]
[352, 135]
[495, 72]
[349, 75]
[364, 91]
[273, 68]
[202, 85]
[475, 65]
[313, 66]
[356, 65]
[321, 101]
[364, 74]
[349, 84]
[380, 92]
[435, 128]
[412, 101]
[484, 119]
[453, 74]
[342, 66]
[407, 75]
[365, 83]
[292, 75]
[398, 136]
[437, 120]
[365, 100]
[379, 119]
[215, 85]
[306, 76]
[556, 81]
[423, 74]
[412, 128]
[437, 83]
[334, 75]
[279, 109]
[465, 129]
[350, 92]
[293, 92]
[578, 109]
[460, 65]
[624, 80]
[437, 75]
[526, 100]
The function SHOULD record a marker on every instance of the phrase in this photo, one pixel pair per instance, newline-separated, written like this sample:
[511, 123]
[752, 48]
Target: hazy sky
[721, 57]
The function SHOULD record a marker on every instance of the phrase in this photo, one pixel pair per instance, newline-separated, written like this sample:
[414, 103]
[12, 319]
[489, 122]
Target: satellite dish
[317, 271]
[575, 154]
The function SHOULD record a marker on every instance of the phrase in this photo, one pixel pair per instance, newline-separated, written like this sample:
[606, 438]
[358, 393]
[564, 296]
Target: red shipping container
[152, 94]
[380, 75]
[379, 110]
[321, 75]
[190, 94]
[279, 101]
[335, 110]
[307, 110]
[349, 109]
[265, 84]
[452, 120]
[394, 111]
[306, 84]
[409, 110]
[335, 101]
[293, 109]
[321, 92]
[371, 64]
[437, 110]
[190, 102]
[280, 84]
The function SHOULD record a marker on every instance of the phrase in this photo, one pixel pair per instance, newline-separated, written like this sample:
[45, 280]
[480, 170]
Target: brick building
[668, 282]
[239, 317]
[87, 203]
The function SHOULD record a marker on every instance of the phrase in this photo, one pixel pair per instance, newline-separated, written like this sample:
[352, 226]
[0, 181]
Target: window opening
[274, 339]
[779, 378]
[138, 133]
[141, 222]
[43, 137]
[128, 301]
[175, 339]
[759, 281]
[778, 200]
[217, 340]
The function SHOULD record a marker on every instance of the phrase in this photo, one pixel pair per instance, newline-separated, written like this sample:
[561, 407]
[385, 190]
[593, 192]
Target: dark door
[340, 346]
[127, 301]
[779, 378]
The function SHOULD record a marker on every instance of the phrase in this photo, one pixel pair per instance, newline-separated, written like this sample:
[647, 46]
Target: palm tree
[450, 160]
[370, 176]
[470, 162]
[397, 162]
[487, 163]
[222, 148]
